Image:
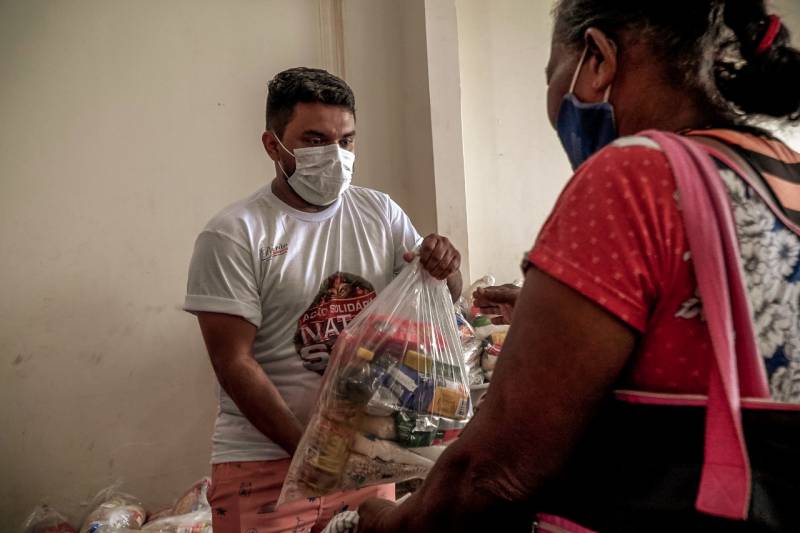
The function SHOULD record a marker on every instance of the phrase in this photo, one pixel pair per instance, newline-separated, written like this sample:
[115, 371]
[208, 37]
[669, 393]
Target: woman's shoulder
[630, 169]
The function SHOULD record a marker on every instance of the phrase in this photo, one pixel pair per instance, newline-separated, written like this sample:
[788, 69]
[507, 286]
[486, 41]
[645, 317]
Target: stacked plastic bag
[113, 511]
[191, 513]
[490, 337]
[395, 393]
[117, 512]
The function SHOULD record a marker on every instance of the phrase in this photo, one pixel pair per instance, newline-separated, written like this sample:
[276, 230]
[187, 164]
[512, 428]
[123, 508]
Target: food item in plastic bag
[194, 499]
[326, 458]
[192, 513]
[462, 308]
[496, 341]
[471, 349]
[114, 509]
[484, 327]
[492, 351]
[396, 381]
[473, 352]
[465, 329]
[449, 430]
[362, 470]
[387, 451]
[45, 519]
[381, 427]
[414, 430]
[194, 522]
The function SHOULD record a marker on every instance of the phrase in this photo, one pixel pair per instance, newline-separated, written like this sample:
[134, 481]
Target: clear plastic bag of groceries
[190, 514]
[394, 393]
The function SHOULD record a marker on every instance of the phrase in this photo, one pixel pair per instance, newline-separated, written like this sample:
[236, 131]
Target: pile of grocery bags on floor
[114, 511]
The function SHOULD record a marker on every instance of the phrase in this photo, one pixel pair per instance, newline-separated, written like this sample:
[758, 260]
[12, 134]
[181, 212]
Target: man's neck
[286, 194]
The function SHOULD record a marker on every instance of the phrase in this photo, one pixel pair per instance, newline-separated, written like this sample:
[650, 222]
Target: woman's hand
[499, 300]
[372, 515]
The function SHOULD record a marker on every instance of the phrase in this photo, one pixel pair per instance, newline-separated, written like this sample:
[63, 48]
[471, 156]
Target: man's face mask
[584, 128]
[322, 173]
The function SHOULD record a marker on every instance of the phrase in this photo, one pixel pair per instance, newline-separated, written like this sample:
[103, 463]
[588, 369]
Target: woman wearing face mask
[611, 298]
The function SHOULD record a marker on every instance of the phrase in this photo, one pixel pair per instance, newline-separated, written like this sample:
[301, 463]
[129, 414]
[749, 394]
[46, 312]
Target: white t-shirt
[299, 278]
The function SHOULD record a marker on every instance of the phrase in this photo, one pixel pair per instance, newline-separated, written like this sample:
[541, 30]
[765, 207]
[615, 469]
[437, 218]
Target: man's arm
[562, 356]
[229, 340]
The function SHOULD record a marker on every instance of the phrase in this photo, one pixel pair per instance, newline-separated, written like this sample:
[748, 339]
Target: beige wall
[126, 125]
[444, 89]
[385, 63]
[514, 165]
[789, 10]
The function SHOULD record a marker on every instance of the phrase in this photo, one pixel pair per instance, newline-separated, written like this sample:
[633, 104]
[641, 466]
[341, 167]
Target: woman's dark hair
[710, 46]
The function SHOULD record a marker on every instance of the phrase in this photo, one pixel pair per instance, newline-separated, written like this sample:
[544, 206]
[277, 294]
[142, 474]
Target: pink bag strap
[737, 368]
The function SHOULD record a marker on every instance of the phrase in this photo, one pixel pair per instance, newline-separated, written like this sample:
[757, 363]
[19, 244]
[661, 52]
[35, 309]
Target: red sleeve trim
[592, 287]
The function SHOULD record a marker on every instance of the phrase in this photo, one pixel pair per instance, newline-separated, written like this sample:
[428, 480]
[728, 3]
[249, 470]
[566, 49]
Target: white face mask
[322, 173]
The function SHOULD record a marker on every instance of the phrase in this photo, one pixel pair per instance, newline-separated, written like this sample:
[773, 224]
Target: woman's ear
[601, 63]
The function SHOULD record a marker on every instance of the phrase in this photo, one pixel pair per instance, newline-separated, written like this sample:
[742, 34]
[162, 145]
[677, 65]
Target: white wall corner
[445, 105]
[331, 34]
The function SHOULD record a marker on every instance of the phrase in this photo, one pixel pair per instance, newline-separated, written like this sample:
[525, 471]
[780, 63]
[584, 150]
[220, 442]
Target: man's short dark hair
[308, 85]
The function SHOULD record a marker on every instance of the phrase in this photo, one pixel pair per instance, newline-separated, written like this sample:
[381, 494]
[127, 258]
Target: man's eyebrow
[314, 133]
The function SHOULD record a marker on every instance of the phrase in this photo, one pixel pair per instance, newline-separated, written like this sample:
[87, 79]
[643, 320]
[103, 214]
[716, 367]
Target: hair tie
[771, 34]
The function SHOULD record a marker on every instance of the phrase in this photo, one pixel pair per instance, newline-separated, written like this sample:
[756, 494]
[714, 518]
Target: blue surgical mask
[584, 128]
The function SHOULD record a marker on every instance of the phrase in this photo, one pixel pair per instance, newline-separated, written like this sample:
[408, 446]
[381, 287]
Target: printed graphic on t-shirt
[341, 297]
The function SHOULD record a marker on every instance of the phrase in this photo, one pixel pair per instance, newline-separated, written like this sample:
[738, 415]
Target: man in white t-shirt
[266, 279]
